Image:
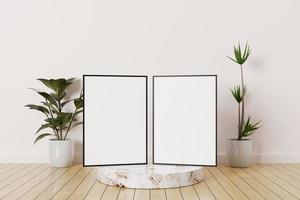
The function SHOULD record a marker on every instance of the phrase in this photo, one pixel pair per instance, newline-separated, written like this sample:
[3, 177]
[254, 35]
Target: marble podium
[150, 176]
[183, 126]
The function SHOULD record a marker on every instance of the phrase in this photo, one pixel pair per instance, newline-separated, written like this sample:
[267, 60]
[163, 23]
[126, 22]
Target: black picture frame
[146, 131]
[153, 118]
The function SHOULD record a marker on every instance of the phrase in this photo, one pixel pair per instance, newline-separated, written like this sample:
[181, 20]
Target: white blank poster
[184, 120]
[115, 120]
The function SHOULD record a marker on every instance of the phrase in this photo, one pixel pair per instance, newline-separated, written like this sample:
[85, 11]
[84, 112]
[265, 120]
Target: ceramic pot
[61, 152]
[239, 152]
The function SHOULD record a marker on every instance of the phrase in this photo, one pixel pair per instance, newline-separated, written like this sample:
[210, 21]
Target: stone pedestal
[150, 176]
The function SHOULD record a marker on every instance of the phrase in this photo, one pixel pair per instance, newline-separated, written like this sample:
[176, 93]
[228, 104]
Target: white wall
[66, 38]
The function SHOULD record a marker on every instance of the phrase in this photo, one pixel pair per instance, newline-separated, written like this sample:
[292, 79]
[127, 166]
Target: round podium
[149, 176]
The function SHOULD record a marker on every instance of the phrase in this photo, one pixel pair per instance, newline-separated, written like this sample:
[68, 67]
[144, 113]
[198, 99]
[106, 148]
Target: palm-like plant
[57, 120]
[247, 128]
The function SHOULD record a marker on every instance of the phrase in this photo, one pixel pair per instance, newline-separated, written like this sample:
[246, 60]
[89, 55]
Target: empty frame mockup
[184, 120]
[115, 120]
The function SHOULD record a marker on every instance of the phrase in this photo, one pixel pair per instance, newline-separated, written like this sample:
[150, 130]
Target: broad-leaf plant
[58, 120]
[245, 127]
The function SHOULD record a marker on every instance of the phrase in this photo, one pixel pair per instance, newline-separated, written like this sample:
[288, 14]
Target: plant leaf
[44, 126]
[51, 106]
[55, 96]
[57, 85]
[62, 85]
[49, 84]
[64, 118]
[236, 93]
[76, 124]
[60, 120]
[78, 103]
[38, 108]
[71, 80]
[232, 59]
[245, 51]
[66, 102]
[42, 136]
[249, 128]
[241, 56]
[49, 98]
[53, 121]
[78, 112]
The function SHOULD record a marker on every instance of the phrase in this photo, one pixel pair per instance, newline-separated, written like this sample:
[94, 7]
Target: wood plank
[58, 184]
[259, 181]
[173, 193]
[19, 174]
[158, 194]
[3, 165]
[274, 170]
[126, 194]
[214, 186]
[277, 180]
[111, 193]
[30, 184]
[74, 182]
[260, 188]
[85, 186]
[6, 167]
[291, 168]
[96, 191]
[16, 189]
[269, 184]
[203, 191]
[37, 189]
[296, 165]
[230, 188]
[142, 194]
[240, 183]
[13, 171]
[189, 193]
[287, 170]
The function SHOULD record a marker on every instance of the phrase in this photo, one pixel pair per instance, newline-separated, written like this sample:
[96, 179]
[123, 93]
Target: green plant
[245, 128]
[56, 119]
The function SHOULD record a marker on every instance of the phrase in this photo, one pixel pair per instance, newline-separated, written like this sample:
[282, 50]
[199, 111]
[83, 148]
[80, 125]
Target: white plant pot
[239, 152]
[61, 152]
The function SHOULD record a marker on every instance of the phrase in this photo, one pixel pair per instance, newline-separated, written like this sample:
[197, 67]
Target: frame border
[216, 119]
[83, 142]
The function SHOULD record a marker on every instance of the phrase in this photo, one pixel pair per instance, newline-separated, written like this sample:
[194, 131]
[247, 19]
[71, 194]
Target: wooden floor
[41, 181]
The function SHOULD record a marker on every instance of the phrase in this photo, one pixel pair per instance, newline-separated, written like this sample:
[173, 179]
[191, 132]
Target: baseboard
[222, 158]
[267, 158]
